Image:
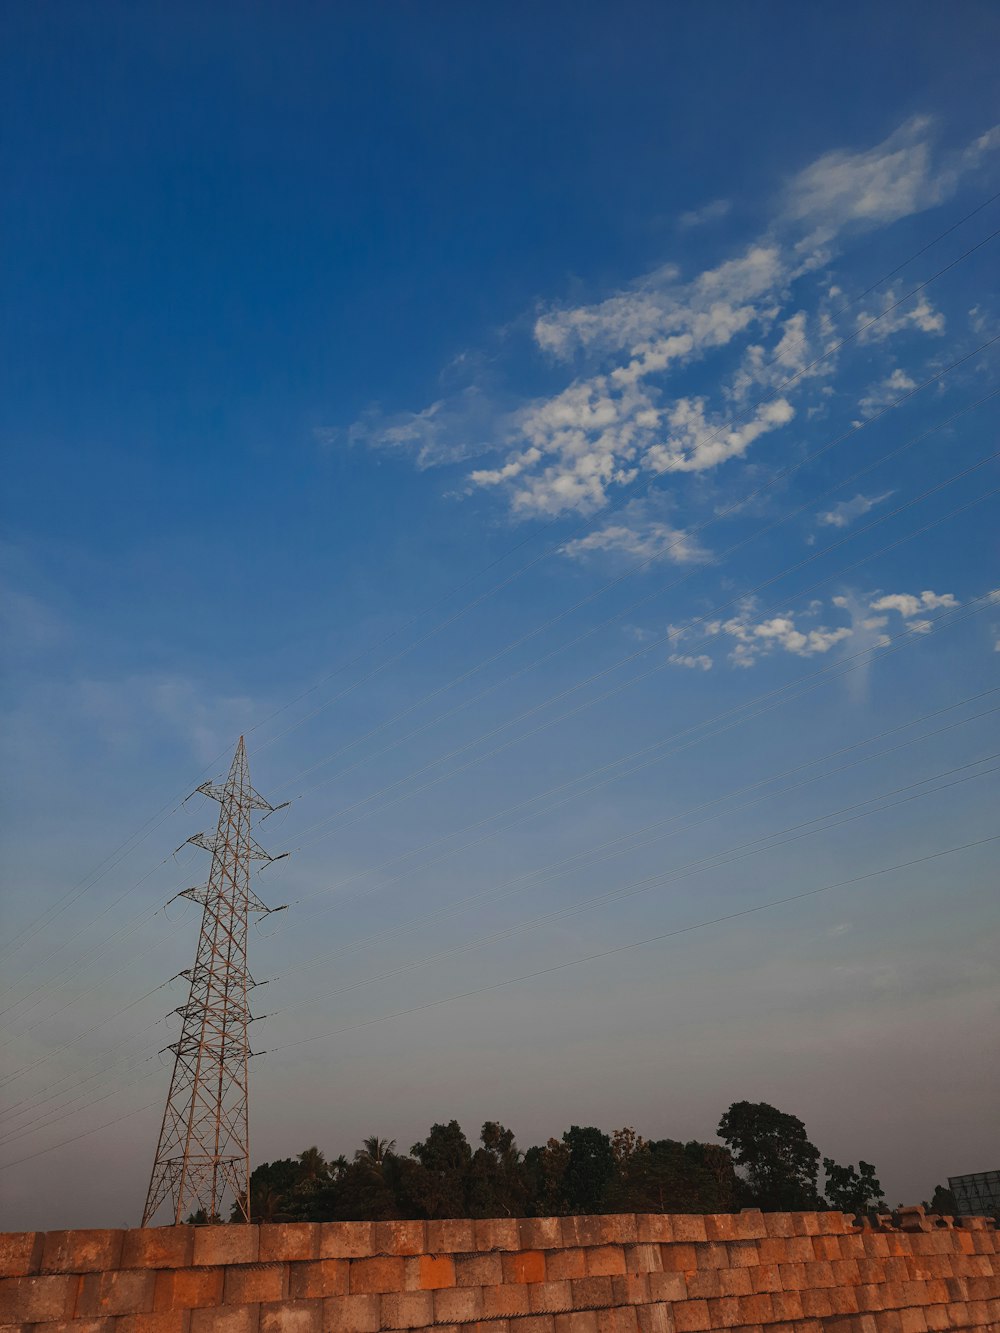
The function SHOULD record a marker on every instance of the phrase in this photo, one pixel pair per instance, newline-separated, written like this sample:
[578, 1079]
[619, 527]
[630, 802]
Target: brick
[536, 1323]
[250, 1284]
[81, 1251]
[620, 1320]
[793, 1277]
[820, 1273]
[451, 1236]
[226, 1318]
[720, 1226]
[742, 1253]
[78, 1325]
[724, 1312]
[704, 1285]
[870, 1296]
[763, 1278]
[234, 1244]
[127, 1292]
[540, 1233]
[398, 1238]
[428, 1272]
[523, 1266]
[591, 1292]
[479, 1270]
[713, 1254]
[655, 1228]
[692, 1316]
[577, 1321]
[778, 1224]
[630, 1288]
[158, 1247]
[457, 1305]
[381, 1273]
[817, 1304]
[826, 1247]
[505, 1301]
[547, 1297]
[407, 1309]
[187, 1288]
[844, 1300]
[688, 1228]
[618, 1229]
[289, 1242]
[805, 1224]
[643, 1259]
[20, 1252]
[561, 1265]
[345, 1240]
[667, 1287]
[604, 1260]
[318, 1278]
[352, 1314]
[163, 1321]
[678, 1258]
[750, 1225]
[291, 1317]
[912, 1321]
[497, 1233]
[787, 1305]
[737, 1281]
[656, 1318]
[846, 1272]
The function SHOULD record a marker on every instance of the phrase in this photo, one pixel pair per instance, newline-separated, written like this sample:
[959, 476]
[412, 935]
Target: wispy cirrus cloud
[842, 515]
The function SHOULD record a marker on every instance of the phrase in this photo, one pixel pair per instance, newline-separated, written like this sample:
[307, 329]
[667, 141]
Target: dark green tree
[942, 1201]
[545, 1178]
[772, 1147]
[669, 1177]
[445, 1157]
[590, 1169]
[851, 1191]
[496, 1184]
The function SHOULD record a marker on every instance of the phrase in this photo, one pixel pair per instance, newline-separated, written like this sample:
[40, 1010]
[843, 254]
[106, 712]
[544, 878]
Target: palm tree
[375, 1151]
[312, 1167]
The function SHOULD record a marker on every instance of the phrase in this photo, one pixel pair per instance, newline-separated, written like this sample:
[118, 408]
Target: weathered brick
[742, 1253]
[407, 1309]
[604, 1260]
[678, 1258]
[805, 1224]
[630, 1288]
[505, 1301]
[705, 1284]
[591, 1292]
[547, 1297]
[737, 1281]
[686, 1227]
[750, 1224]
[778, 1224]
[382, 1273]
[427, 1272]
[351, 1314]
[129, 1291]
[577, 1321]
[451, 1236]
[318, 1278]
[655, 1318]
[834, 1223]
[158, 1247]
[618, 1229]
[535, 1323]
[617, 1320]
[81, 1251]
[793, 1277]
[105, 1325]
[817, 1303]
[523, 1266]
[643, 1259]
[763, 1278]
[756, 1309]
[820, 1273]
[846, 1272]
[234, 1244]
[398, 1238]
[161, 1321]
[720, 1226]
[655, 1228]
[20, 1252]
[692, 1316]
[724, 1311]
[291, 1317]
[289, 1242]
[540, 1233]
[912, 1321]
[187, 1288]
[561, 1265]
[251, 1284]
[787, 1305]
[712, 1254]
[345, 1240]
[226, 1318]
[666, 1287]
[457, 1305]
[826, 1247]
[497, 1233]
[478, 1270]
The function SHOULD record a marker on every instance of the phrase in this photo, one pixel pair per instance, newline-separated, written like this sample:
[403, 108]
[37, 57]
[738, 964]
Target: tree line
[767, 1162]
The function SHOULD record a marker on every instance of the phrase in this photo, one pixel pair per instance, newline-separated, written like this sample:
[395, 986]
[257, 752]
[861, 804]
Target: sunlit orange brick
[81, 1251]
[345, 1240]
[427, 1272]
[286, 1242]
[778, 1224]
[319, 1277]
[234, 1244]
[826, 1247]
[398, 1238]
[720, 1226]
[523, 1266]
[805, 1224]
[687, 1227]
[819, 1273]
[187, 1288]
[764, 1278]
[158, 1247]
[742, 1253]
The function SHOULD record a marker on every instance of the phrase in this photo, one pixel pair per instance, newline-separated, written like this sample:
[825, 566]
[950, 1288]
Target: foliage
[943, 1201]
[852, 1191]
[771, 1146]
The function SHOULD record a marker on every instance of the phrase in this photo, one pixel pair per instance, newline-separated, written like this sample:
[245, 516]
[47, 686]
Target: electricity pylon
[204, 1149]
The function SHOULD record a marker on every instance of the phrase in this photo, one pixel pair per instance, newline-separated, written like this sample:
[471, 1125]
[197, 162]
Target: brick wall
[787, 1272]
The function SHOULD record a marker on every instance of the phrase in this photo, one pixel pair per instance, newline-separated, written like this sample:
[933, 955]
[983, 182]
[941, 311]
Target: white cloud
[701, 662]
[844, 513]
[922, 317]
[694, 443]
[450, 430]
[699, 217]
[756, 639]
[911, 604]
[639, 536]
[886, 391]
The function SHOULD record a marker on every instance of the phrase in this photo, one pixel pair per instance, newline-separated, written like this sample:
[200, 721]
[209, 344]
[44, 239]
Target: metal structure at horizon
[203, 1150]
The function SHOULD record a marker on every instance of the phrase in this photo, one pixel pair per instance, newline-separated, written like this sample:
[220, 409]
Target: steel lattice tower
[204, 1149]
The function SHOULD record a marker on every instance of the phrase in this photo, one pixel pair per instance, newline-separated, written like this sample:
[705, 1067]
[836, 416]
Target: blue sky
[511, 419]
